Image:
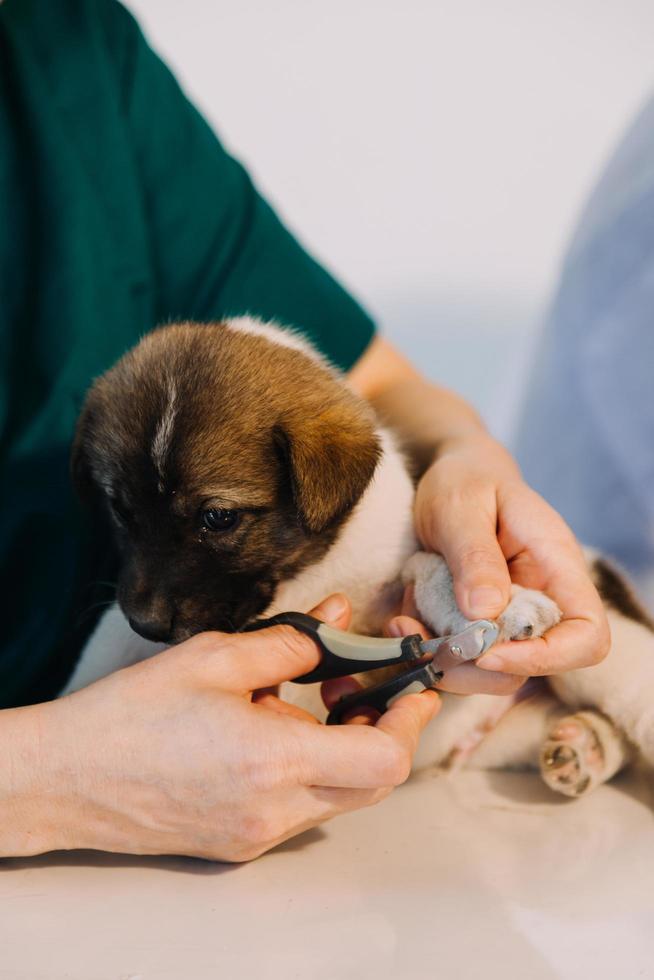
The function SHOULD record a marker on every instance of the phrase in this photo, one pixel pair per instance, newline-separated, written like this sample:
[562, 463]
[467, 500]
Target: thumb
[407, 717]
[267, 657]
[469, 545]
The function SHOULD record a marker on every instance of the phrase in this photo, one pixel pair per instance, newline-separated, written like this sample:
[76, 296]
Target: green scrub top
[120, 210]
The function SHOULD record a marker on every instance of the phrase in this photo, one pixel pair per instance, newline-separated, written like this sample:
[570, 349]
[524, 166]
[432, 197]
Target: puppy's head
[229, 457]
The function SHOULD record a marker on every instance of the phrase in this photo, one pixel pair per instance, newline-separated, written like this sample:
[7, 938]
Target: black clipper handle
[345, 653]
[414, 681]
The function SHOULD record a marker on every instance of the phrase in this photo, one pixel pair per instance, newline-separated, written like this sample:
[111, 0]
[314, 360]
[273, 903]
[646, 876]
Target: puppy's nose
[152, 629]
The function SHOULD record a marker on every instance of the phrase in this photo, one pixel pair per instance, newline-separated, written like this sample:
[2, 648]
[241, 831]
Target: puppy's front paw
[528, 614]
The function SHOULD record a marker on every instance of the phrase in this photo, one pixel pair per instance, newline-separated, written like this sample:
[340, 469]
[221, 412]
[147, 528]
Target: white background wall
[433, 153]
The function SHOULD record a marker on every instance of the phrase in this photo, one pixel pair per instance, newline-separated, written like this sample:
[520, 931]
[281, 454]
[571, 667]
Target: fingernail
[332, 608]
[490, 661]
[395, 628]
[484, 600]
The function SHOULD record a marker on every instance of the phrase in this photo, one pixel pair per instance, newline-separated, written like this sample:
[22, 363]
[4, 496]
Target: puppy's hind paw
[528, 614]
[581, 752]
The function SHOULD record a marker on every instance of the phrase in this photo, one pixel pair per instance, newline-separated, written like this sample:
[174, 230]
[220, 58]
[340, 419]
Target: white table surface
[478, 876]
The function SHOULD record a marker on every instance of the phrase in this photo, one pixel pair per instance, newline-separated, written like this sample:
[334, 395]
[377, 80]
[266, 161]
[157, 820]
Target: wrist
[469, 434]
[479, 443]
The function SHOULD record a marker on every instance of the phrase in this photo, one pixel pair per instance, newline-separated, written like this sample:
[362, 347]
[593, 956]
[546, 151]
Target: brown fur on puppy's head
[228, 461]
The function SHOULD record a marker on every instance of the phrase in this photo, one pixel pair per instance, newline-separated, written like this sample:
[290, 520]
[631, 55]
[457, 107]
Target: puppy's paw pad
[572, 759]
[528, 614]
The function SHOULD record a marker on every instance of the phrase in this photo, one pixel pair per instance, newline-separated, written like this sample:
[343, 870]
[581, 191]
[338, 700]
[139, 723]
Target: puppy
[243, 477]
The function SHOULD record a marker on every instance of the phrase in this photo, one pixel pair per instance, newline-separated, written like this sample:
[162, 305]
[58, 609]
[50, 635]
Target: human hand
[473, 507]
[175, 756]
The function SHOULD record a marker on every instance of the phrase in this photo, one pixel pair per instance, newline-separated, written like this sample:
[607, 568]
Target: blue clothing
[586, 438]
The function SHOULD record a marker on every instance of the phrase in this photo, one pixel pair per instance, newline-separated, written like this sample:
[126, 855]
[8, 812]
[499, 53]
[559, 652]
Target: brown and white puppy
[228, 466]
[243, 477]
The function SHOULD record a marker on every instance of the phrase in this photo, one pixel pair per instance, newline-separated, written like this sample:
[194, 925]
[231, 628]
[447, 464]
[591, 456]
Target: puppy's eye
[220, 519]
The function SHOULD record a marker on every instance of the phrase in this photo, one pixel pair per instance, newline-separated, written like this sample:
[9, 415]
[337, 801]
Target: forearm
[427, 418]
[27, 807]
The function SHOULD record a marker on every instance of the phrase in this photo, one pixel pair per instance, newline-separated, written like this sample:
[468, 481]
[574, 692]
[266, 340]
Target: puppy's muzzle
[157, 629]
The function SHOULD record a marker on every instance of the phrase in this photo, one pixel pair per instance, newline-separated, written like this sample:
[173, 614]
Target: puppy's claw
[528, 614]
[524, 633]
[558, 757]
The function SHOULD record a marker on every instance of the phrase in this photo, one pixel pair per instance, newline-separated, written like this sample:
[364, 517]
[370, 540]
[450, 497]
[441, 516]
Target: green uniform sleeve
[217, 247]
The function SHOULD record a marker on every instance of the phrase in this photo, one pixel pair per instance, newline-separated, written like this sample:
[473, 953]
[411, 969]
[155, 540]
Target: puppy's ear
[331, 458]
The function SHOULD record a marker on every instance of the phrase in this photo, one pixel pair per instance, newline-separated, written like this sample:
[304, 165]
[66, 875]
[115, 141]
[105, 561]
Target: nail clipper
[349, 653]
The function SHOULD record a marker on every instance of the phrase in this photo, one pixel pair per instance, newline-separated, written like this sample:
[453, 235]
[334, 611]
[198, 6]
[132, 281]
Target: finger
[273, 689]
[332, 691]
[335, 610]
[299, 809]
[469, 679]
[273, 703]
[361, 715]
[243, 662]
[568, 583]
[581, 639]
[320, 803]
[337, 800]
[405, 626]
[364, 757]
[337, 688]
[574, 643]
[467, 539]
[314, 805]
[407, 717]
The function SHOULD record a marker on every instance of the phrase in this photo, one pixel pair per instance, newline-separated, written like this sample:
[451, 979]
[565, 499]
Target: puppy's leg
[458, 728]
[529, 613]
[575, 753]
[484, 731]
[581, 751]
[621, 687]
[517, 740]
